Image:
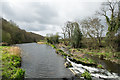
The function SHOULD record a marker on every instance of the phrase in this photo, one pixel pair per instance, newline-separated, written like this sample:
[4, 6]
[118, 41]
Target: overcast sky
[47, 16]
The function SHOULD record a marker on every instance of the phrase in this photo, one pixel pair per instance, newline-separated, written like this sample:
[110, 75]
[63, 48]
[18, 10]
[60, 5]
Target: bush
[52, 39]
[64, 57]
[86, 75]
[99, 66]
[18, 75]
[53, 46]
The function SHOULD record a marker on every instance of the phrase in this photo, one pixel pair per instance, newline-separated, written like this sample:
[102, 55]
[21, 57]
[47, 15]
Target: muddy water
[41, 61]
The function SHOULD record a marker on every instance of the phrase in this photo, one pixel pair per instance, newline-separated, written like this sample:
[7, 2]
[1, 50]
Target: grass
[61, 52]
[73, 50]
[11, 62]
[105, 52]
[52, 45]
[85, 61]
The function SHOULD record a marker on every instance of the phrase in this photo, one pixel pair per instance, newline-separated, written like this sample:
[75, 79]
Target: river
[41, 61]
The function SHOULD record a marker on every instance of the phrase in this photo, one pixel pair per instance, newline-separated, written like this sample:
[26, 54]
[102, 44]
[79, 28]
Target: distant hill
[12, 34]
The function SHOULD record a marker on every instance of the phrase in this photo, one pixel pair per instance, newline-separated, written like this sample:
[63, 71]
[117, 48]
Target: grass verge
[11, 62]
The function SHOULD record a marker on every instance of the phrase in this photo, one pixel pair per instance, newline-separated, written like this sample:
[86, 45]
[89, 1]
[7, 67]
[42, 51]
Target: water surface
[41, 61]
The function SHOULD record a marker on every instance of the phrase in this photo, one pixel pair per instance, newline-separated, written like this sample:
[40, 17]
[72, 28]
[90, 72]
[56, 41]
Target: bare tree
[68, 29]
[110, 11]
[92, 28]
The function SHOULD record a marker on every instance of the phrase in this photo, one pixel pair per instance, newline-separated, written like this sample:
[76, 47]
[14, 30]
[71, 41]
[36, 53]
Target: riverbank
[74, 58]
[11, 62]
[77, 57]
[103, 53]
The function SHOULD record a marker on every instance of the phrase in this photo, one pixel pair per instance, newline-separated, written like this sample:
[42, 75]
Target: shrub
[99, 66]
[53, 39]
[64, 57]
[86, 75]
[53, 46]
[18, 75]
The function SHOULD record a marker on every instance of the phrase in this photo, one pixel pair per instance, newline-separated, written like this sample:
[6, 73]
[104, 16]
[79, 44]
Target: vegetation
[11, 63]
[84, 37]
[52, 39]
[76, 37]
[52, 45]
[12, 34]
[86, 75]
[92, 28]
[59, 51]
[99, 66]
[73, 34]
[112, 21]
[87, 37]
[84, 61]
[88, 34]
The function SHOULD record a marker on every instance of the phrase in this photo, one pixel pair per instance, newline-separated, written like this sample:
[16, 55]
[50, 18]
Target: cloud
[47, 16]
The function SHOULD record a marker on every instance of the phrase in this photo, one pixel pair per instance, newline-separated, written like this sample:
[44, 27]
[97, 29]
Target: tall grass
[14, 51]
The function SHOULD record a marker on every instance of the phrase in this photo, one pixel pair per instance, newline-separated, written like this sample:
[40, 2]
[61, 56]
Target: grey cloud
[37, 28]
[32, 12]
[7, 9]
[43, 16]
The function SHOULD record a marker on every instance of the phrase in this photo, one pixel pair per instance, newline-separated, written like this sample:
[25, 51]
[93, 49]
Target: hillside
[12, 34]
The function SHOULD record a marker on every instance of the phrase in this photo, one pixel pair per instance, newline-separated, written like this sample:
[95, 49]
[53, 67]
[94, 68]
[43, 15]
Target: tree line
[89, 31]
[12, 34]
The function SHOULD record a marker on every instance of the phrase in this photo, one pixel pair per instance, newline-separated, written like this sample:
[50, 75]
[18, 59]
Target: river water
[41, 61]
[111, 70]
